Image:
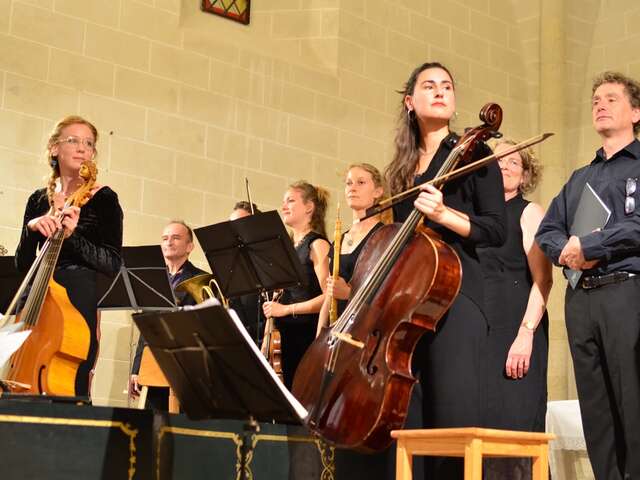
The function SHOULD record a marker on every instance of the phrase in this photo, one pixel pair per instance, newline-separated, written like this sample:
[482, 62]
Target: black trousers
[603, 326]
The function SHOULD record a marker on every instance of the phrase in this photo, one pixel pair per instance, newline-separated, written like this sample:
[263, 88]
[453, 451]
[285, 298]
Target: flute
[337, 246]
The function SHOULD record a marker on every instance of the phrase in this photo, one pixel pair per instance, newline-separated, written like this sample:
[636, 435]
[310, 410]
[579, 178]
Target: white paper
[10, 341]
[293, 401]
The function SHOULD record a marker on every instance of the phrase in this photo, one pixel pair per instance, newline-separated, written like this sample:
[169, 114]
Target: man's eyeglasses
[77, 141]
[630, 201]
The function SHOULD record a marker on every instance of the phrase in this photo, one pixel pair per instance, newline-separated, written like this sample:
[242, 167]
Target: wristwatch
[530, 325]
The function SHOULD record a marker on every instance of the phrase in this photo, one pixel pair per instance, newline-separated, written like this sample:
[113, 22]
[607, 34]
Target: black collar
[633, 150]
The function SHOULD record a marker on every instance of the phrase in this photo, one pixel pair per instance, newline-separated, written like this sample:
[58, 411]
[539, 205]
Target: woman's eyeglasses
[630, 201]
[89, 143]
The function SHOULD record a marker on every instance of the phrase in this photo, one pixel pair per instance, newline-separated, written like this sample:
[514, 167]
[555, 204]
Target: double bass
[59, 341]
[355, 380]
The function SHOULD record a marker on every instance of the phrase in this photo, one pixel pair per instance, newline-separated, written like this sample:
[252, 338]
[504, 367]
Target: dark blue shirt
[617, 245]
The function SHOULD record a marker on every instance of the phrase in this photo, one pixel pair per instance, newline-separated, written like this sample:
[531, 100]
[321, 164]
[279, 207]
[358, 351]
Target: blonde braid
[51, 185]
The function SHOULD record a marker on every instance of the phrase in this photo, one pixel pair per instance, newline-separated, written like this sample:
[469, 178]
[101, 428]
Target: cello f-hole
[373, 344]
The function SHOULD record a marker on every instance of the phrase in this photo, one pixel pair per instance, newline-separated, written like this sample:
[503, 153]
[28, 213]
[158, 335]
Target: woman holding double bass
[92, 234]
[468, 212]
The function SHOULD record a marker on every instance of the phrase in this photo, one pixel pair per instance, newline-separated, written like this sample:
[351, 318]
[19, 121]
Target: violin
[272, 341]
[48, 360]
[355, 379]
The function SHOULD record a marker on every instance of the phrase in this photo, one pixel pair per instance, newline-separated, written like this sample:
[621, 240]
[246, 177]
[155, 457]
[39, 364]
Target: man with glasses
[602, 312]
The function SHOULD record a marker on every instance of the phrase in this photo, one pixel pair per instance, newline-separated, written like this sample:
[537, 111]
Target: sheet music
[11, 339]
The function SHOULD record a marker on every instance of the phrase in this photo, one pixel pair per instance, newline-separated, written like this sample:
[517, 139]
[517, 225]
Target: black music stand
[251, 255]
[10, 280]
[214, 367]
[142, 283]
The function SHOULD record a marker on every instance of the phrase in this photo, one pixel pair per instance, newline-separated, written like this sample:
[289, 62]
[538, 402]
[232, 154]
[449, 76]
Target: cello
[355, 379]
[48, 360]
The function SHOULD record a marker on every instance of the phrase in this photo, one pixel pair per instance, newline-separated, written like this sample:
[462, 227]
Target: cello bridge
[347, 338]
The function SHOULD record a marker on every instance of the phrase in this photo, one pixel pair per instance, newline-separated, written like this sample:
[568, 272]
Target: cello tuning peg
[496, 134]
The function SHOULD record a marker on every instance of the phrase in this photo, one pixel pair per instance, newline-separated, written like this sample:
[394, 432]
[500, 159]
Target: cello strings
[380, 271]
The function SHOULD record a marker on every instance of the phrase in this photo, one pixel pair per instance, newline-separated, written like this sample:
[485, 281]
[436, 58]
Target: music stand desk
[215, 368]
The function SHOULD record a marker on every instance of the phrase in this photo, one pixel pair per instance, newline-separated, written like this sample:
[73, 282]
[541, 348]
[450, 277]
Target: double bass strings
[49, 255]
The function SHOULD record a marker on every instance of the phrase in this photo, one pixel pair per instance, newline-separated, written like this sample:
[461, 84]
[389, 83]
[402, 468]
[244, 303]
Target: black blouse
[311, 287]
[96, 243]
[348, 261]
[480, 195]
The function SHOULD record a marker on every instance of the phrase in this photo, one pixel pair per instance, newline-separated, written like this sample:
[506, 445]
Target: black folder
[591, 214]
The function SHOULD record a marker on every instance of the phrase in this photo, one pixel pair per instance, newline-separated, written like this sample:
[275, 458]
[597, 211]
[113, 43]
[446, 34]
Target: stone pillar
[552, 118]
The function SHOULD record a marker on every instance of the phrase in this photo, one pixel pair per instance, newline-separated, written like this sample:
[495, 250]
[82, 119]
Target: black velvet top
[481, 196]
[96, 243]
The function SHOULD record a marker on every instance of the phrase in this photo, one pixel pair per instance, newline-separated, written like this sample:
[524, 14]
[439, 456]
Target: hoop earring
[409, 115]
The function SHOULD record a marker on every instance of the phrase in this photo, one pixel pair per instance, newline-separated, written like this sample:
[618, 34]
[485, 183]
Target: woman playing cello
[467, 213]
[93, 234]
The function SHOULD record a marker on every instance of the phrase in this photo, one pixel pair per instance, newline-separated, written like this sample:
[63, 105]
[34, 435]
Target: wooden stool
[472, 444]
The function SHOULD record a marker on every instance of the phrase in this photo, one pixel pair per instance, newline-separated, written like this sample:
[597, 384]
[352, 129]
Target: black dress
[95, 246]
[512, 404]
[348, 262]
[298, 332]
[449, 362]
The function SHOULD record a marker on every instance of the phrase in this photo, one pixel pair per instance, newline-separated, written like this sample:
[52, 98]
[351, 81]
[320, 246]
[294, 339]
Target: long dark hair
[400, 172]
